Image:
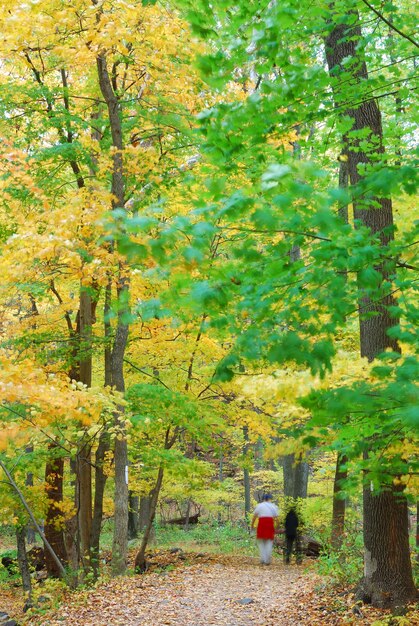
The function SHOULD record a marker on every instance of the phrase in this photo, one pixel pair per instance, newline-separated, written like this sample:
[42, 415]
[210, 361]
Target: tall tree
[294, 312]
[387, 569]
[120, 539]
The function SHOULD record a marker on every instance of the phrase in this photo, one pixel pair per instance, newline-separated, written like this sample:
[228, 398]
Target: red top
[265, 528]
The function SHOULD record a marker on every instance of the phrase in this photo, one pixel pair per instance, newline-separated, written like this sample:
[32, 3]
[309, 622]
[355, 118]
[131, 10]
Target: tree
[295, 312]
[388, 576]
[90, 127]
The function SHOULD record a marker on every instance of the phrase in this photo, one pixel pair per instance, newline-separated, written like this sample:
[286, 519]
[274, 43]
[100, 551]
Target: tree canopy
[208, 257]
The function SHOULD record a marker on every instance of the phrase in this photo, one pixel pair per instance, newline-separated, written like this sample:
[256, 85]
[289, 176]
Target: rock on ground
[235, 593]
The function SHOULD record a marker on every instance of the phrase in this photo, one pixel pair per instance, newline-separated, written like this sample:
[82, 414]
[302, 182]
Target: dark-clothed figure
[291, 535]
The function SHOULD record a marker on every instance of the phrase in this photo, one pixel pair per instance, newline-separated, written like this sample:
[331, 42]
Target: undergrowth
[224, 539]
[342, 567]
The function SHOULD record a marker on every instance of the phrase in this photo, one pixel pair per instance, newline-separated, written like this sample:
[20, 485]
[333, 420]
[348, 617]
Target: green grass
[221, 539]
[6, 577]
[204, 537]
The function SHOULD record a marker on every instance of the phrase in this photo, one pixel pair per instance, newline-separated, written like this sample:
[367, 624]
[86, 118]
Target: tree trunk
[21, 497]
[100, 483]
[84, 477]
[220, 478]
[104, 439]
[295, 470]
[339, 503]
[85, 355]
[301, 472]
[84, 460]
[120, 538]
[71, 531]
[30, 530]
[387, 570]
[108, 333]
[246, 475]
[140, 563]
[54, 534]
[187, 514]
[133, 515]
[387, 566]
[24, 565]
[295, 477]
[144, 515]
[259, 454]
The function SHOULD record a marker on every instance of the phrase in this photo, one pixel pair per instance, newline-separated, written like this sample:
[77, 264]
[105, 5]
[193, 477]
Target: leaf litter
[189, 589]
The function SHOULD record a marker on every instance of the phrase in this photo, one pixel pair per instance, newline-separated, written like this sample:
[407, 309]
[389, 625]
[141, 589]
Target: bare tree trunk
[21, 497]
[220, 477]
[259, 454]
[387, 570]
[104, 439]
[295, 470]
[24, 565]
[140, 563]
[246, 475]
[187, 514]
[133, 515]
[295, 477]
[301, 473]
[84, 460]
[341, 473]
[100, 483]
[108, 333]
[84, 477]
[53, 524]
[71, 531]
[30, 530]
[120, 538]
[86, 320]
[144, 515]
[339, 503]
[387, 567]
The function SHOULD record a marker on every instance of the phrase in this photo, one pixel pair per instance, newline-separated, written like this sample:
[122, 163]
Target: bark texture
[144, 512]
[87, 306]
[100, 483]
[23, 564]
[387, 567]
[140, 562]
[84, 477]
[30, 530]
[295, 477]
[246, 475]
[339, 503]
[120, 538]
[169, 441]
[388, 577]
[133, 515]
[53, 524]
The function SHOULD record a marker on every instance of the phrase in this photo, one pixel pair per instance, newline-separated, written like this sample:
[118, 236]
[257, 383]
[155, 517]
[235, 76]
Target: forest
[208, 303]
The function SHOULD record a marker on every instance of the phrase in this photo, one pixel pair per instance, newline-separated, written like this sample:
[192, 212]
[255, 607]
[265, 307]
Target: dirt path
[189, 589]
[223, 594]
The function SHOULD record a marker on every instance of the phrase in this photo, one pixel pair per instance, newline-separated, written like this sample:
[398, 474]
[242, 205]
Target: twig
[390, 24]
[35, 523]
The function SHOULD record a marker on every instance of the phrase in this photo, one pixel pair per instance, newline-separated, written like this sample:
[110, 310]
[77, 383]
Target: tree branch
[35, 523]
[146, 373]
[390, 24]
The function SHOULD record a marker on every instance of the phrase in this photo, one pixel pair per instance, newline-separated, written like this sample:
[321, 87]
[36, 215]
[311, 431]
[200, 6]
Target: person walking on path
[291, 535]
[266, 515]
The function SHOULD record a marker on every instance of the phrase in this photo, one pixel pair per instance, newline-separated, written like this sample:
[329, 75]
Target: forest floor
[186, 589]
